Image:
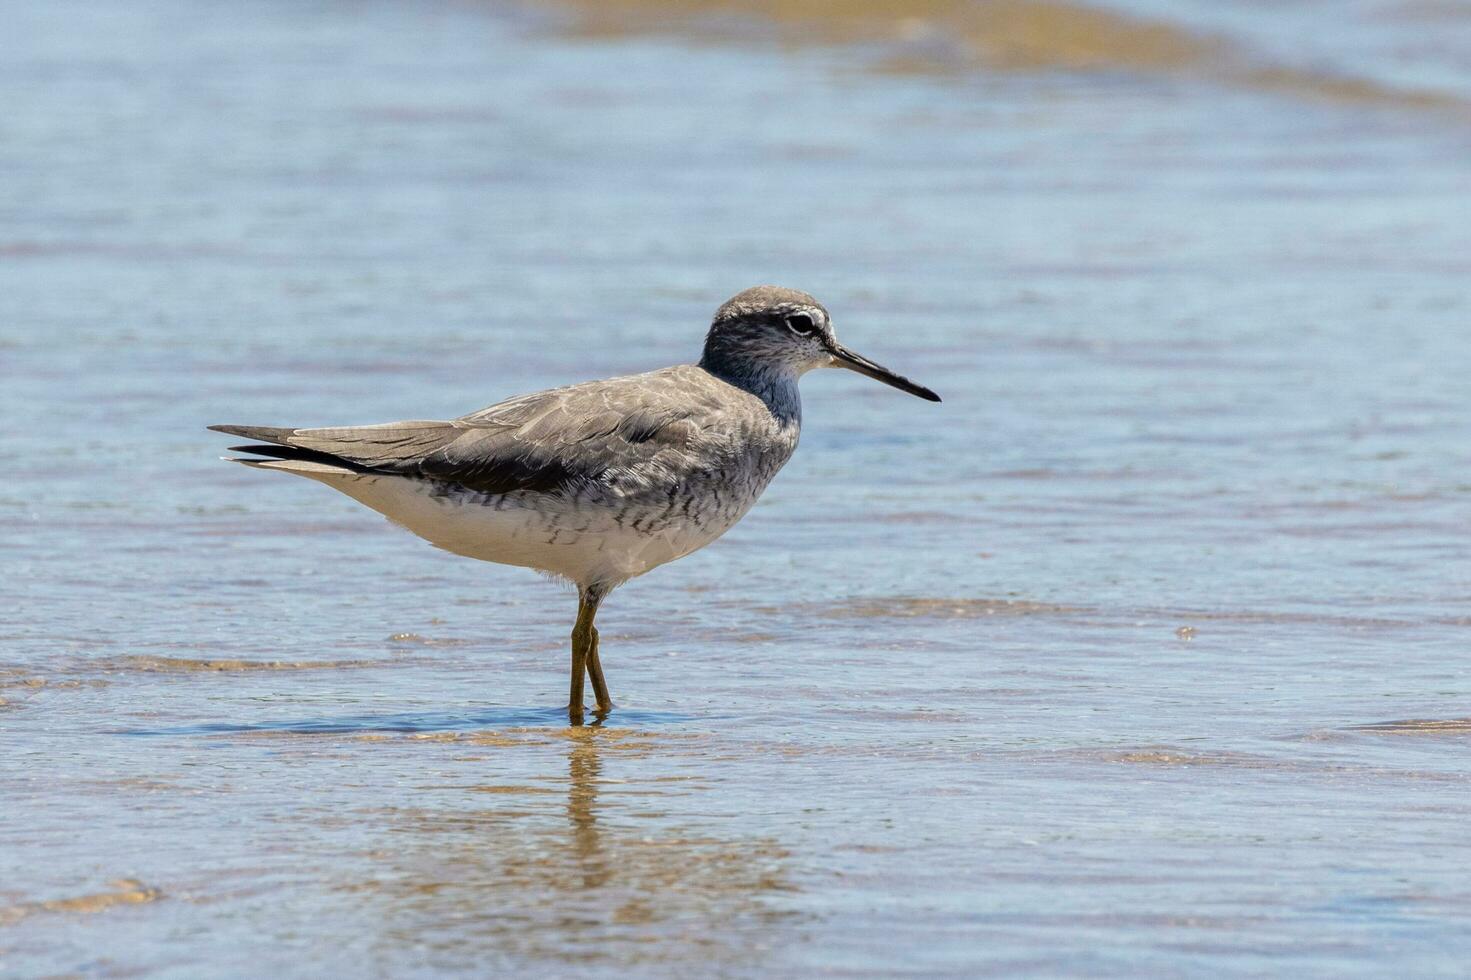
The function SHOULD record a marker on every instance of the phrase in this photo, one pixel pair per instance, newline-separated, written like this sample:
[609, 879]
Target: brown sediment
[183, 665]
[418, 639]
[1170, 757]
[913, 607]
[52, 684]
[1182, 621]
[146, 784]
[923, 517]
[126, 891]
[494, 739]
[1343, 88]
[926, 36]
[1166, 756]
[1417, 726]
[26, 687]
[1268, 616]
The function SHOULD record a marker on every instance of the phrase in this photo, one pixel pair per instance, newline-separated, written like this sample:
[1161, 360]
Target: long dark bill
[843, 357]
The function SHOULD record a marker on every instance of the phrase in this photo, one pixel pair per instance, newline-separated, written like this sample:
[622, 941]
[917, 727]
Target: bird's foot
[577, 719]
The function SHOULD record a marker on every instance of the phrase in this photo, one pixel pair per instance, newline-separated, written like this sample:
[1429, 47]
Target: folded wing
[627, 431]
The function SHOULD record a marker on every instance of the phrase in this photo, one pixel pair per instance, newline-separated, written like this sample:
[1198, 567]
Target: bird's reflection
[612, 867]
[584, 766]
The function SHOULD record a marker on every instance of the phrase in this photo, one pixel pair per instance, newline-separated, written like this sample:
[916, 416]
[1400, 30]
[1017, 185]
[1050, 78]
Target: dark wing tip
[298, 453]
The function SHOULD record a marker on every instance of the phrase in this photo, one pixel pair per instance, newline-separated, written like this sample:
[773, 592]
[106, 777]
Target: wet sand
[1143, 654]
[928, 36]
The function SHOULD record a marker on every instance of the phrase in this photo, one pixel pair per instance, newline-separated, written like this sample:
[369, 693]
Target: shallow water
[1144, 653]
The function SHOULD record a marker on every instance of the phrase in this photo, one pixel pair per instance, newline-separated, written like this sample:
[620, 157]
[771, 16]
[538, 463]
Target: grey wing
[624, 433]
[628, 432]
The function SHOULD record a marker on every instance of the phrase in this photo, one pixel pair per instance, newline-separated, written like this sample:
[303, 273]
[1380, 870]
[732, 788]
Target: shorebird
[600, 482]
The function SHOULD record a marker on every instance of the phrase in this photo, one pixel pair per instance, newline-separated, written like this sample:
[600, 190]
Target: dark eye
[801, 324]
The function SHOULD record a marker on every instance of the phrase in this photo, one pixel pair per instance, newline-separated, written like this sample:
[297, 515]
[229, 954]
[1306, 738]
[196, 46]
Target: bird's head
[770, 330]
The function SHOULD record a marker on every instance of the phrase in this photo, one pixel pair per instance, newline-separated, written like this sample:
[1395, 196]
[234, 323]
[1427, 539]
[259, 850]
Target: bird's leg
[584, 654]
[579, 667]
[595, 671]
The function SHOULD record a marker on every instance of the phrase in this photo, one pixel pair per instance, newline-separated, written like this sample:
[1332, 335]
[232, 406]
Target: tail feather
[264, 433]
[328, 473]
[276, 453]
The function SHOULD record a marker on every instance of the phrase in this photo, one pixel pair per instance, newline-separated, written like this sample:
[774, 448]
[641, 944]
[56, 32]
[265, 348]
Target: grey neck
[774, 384]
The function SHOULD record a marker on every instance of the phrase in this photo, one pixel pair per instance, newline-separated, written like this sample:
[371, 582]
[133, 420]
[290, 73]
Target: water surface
[1143, 654]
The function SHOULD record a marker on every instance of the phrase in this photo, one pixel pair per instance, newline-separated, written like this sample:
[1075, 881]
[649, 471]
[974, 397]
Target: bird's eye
[801, 324]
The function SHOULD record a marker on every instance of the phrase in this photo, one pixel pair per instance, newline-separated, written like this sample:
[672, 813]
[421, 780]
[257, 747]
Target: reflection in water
[609, 874]
[583, 768]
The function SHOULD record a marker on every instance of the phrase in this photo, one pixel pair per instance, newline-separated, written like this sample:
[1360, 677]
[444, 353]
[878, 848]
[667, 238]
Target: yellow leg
[579, 668]
[585, 657]
[595, 671]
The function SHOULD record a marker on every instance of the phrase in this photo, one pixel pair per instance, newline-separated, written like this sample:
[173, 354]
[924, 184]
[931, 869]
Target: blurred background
[1143, 653]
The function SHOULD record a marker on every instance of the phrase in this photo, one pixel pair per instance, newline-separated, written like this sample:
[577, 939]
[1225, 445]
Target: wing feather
[626, 430]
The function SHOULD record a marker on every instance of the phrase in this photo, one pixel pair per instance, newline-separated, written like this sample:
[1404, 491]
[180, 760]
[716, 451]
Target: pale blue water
[927, 710]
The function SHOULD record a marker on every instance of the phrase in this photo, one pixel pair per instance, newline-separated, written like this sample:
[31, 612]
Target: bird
[600, 482]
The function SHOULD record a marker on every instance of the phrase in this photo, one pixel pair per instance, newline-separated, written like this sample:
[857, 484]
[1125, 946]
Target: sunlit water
[1143, 653]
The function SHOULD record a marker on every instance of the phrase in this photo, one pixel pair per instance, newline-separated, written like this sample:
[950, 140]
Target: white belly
[582, 543]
